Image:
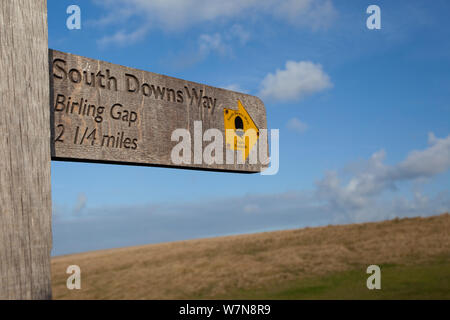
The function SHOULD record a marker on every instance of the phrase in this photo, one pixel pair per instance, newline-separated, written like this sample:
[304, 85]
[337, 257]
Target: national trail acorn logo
[241, 132]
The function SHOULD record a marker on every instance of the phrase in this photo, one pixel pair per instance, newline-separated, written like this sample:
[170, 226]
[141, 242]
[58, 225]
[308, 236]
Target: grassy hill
[311, 263]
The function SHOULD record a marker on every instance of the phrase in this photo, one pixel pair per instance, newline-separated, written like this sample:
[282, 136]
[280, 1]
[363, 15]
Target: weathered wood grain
[156, 105]
[25, 195]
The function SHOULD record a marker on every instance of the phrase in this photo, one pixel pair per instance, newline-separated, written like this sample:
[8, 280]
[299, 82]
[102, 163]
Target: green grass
[426, 281]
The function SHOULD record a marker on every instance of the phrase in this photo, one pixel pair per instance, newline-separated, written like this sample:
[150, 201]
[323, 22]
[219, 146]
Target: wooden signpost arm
[25, 191]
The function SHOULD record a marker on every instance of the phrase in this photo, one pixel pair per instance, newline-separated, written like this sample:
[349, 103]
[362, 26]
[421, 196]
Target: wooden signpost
[25, 203]
[59, 106]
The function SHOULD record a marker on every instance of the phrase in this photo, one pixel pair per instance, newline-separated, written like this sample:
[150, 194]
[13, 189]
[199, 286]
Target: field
[311, 263]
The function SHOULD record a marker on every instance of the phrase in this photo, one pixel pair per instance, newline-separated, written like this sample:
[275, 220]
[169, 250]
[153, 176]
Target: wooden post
[25, 191]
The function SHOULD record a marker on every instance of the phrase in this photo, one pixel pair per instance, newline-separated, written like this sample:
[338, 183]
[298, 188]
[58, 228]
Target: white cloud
[237, 31]
[212, 43]
[297, 125]
[122, 38]
[296, 81]
[221, 43]
[316, 14]
[357, 195]
[428, 162]
[234, 87]
[180, 15]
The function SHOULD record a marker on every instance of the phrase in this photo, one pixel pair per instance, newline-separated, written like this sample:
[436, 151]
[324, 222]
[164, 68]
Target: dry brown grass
[213, 267]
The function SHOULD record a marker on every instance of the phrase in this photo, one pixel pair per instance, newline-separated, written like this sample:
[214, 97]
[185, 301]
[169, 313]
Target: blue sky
[363, 116]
